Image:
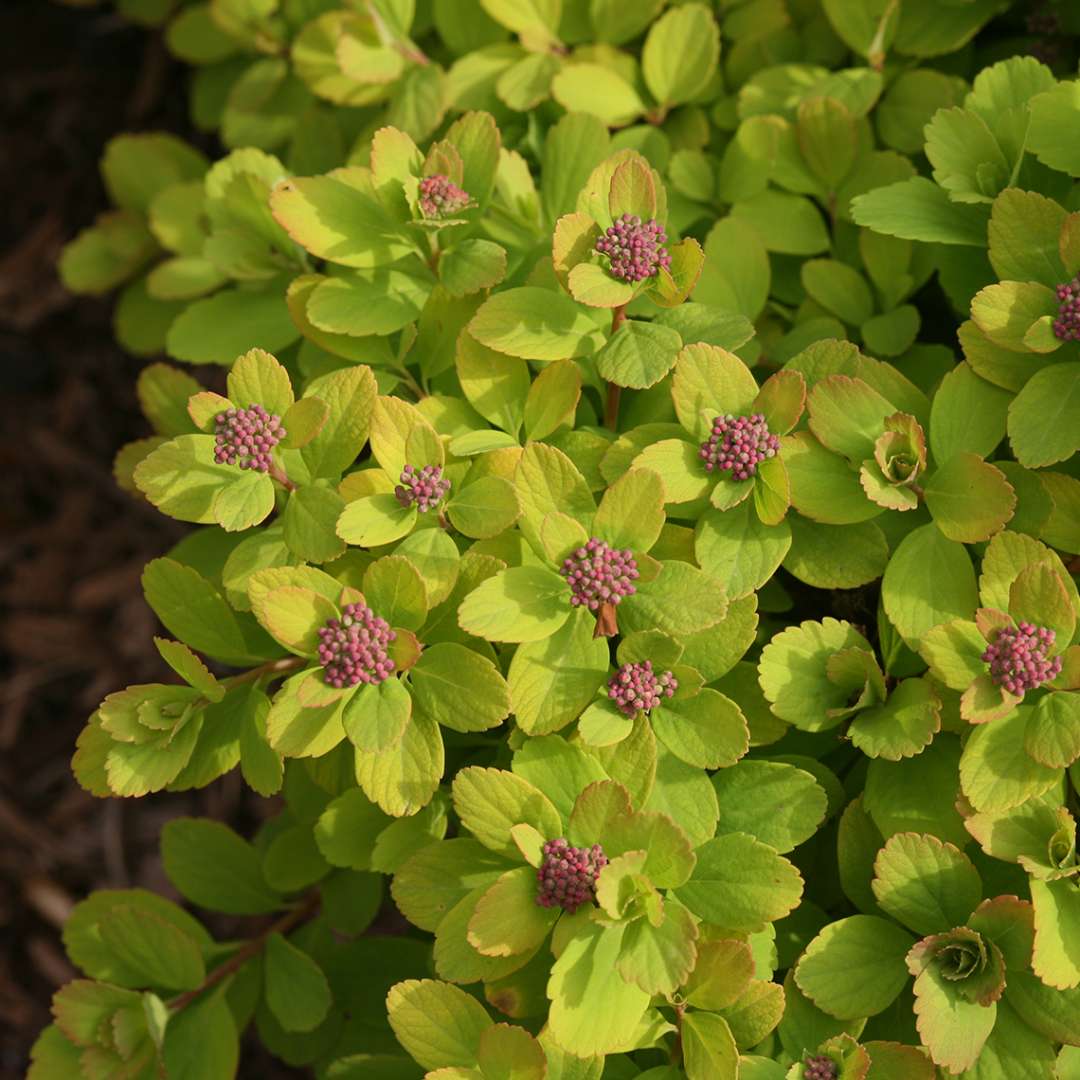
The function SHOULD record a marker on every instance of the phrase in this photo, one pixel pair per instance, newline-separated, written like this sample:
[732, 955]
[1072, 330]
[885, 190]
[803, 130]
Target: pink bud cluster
[599, 574]
[441, 197]
[246, 437]
[738, 444]
[353, 649]
[568, 874]
[634, 248]
[1018, 660]
[637, 686]
[1067, 323]
[422, 488]
[819, 1067]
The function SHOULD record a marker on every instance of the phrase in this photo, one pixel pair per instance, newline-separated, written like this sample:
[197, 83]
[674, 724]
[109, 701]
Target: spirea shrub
[631, 450]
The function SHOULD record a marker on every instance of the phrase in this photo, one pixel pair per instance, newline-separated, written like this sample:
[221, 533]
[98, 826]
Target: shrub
[602, 548]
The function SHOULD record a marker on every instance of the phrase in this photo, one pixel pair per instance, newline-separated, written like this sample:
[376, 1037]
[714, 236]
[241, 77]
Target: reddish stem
[246, 952]
[614, 391]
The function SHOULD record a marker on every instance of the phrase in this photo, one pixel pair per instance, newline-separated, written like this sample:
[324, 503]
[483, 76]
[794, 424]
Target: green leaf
[793, 672]
[929, 580]
[680, 600]
[786, 224]
[375, 520]
[243, 502]
[484, 508]
[438, 1024]
[524, 603]
[952, 1028]
[1024, 232]
[631, 512]
[1053, 734]
[734, 546]
[403, 777]
[460, 688]
[196, 613]
[491, 802]
[995, 772]
[827, 137]
[379, 301]
[709, 1051]
[155, 949]
[777, 803]
[535, 324]
[680, 54]
[377, 716]
[201, 1040]
[847, 416]
[136, 168]
[598, 90]
[824, 487]
[855, 966]
[903, 726]
[926, 884]
[1055, 120]
[494, 384]
[969, 499]
[1056, 960]
[107, 254]
[707, 730]
[309, 523]
[472, 265]
[508, 921]
[839, 289]
[182, 479]
[639, 354]
[214, 868]
[339, 218]
[533, 18]
[296, 988]
[593, 1009]
[1005, 312]
[350, 397]
[294, 616]
[303, 421]
[552, 680]
[552, 399]
[741, 884]
[393, 588]
[256, 378]
[917, 209]
[966, 414]
[659, 958]
[347, 830]
[1043, 416]
[218, 329]
[966, 158]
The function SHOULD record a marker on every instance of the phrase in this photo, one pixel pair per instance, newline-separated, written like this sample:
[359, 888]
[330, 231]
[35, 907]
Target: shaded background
[73, 624]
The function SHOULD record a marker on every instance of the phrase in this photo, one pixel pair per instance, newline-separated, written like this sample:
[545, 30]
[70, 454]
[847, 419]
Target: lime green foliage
[671, 411]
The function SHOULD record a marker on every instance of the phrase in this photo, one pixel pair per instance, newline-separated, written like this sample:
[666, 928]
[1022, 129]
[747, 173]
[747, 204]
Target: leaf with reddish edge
[953, 650]
[781, 401]
[1056, 958]
[632, 190]
[1038, 596]
[676, 282]
[1008, 922]
[989, 621]
[894, 1061]
[847, 415]
[984, 701]
[883, 492]
[969, 498]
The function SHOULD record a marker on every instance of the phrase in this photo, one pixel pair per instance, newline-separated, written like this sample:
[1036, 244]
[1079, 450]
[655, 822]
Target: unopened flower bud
[567, 876]
[353, 649]
[1018, 660]
[247, 437]
[634, 249]
[599, 574]
[738, 444]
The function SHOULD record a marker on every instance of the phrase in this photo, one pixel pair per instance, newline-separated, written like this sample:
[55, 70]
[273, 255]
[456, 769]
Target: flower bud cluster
[1067, 323]
[441, 197]
[423, 488]
[353, 649]
[1018, 660]
[568, 874]
[599, 574]
[819, 1067]
[637, 686]
[635, 249]
[246, 437]
[738, 444]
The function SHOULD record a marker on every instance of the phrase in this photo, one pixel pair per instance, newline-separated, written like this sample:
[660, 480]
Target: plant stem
[253, 947]
[614, 391]
[271, 667]
[278, 473]
[676, 1046]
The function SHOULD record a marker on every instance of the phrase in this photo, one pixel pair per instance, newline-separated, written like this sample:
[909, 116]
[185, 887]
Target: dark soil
[73, 624]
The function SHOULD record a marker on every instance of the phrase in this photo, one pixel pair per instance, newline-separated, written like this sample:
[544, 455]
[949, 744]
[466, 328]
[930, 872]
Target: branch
[255, 946]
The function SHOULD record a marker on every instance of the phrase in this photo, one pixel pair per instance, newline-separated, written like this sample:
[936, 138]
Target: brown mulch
[73, 624]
